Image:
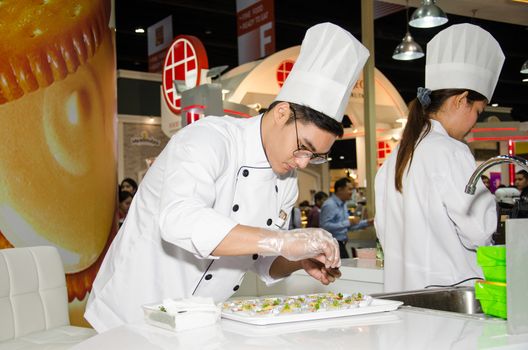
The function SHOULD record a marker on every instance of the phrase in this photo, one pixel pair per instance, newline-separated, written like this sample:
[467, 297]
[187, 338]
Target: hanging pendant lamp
[408, 49]
[524, 68]
[428, 15]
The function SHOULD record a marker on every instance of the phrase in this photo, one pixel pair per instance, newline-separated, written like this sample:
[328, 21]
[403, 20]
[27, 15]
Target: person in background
[297, 214]
[125, 199]
[428, 226]
[128, 185]
[295, 218]
[313, 215]
[521, 182]
[486, 181]
[335, 218]
[216, 201]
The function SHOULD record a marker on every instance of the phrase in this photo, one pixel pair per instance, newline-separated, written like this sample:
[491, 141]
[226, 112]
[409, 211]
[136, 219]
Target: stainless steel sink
[453, 299]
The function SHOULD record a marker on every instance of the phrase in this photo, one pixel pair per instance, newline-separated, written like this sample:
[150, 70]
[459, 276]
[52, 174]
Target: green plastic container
[492, 260]
[492, 297]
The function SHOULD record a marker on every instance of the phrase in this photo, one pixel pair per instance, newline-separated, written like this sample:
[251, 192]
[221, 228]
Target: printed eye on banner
[185, 60]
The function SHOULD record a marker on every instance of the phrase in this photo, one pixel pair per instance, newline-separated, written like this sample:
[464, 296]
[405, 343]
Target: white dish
[183, 320]
[377, 305]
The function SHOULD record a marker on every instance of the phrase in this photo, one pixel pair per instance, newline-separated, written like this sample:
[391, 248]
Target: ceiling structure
[214, 22]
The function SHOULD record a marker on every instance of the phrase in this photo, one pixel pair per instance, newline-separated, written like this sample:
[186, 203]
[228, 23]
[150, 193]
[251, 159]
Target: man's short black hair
[308, 115]
[342, 182]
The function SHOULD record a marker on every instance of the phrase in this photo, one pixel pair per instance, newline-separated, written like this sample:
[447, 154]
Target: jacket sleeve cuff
[198, 236]
[262, 268]
[209, 236]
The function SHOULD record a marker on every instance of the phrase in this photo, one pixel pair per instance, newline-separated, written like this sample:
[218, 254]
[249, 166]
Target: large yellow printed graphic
[57, 131]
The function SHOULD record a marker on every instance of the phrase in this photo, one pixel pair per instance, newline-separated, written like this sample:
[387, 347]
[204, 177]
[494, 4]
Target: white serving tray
[280, 329]
[377, 305]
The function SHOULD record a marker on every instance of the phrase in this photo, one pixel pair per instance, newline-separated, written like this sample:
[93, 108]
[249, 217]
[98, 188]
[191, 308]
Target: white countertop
[404, 329]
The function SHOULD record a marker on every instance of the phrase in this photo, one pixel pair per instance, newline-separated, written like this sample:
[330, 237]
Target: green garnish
[162, 308]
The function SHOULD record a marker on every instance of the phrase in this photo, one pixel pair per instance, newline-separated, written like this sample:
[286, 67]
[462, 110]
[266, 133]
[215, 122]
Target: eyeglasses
[303, 153]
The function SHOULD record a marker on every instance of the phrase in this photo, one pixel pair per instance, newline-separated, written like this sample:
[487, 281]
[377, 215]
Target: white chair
[34, 301]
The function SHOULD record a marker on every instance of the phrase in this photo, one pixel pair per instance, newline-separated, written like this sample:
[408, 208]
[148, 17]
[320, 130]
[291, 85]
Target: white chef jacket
[429, 232]
[211, 176]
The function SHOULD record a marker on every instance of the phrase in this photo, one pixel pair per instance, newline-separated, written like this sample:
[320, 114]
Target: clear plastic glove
[302, 244]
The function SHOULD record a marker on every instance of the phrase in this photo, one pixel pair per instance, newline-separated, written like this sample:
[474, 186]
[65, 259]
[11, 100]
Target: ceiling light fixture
[428, 15]
[139, 30]
[408, 49]
[524, 68]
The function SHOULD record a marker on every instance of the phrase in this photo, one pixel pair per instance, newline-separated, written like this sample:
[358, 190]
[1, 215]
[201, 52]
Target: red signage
[194, 113]
[283, 70]
[254, 16]
[255, 29]
[185, 60]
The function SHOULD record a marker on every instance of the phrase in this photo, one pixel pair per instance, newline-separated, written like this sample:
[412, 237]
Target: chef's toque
[463, 56]
[326, 70]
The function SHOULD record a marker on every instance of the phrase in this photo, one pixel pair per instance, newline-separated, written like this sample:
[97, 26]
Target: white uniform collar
[438, 127]
[255, 155]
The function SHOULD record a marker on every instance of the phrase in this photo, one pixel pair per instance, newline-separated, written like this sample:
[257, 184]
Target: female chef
[428, 227]
[213, 204]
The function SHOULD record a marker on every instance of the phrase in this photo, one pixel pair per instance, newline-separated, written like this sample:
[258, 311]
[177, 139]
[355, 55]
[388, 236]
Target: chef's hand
[302, 244]
[318, 271]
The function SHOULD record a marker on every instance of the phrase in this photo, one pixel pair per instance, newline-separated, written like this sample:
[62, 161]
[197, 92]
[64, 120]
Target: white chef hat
[326, 70]
[463, 56]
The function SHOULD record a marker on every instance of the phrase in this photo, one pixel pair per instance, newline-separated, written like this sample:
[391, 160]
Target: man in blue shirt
[334, 215]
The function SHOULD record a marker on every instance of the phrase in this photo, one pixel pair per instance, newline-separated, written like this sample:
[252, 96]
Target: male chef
[215, 203]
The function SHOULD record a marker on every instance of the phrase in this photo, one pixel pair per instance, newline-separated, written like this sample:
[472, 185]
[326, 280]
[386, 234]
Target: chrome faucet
[472, 183]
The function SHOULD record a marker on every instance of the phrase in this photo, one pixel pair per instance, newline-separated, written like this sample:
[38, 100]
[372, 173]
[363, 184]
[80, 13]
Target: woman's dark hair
[308, 115]
[123, 195]
[131, 182]
[320, 196]
[419, 125]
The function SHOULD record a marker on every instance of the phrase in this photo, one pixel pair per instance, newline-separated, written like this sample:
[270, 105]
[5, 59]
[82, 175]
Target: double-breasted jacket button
[235, 288]
[245, 173]
[269, 222]
[255, 256]
[235, 207]
[208, 277]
